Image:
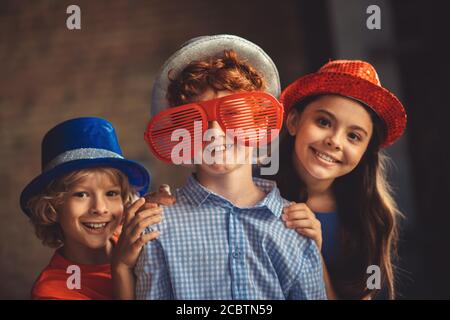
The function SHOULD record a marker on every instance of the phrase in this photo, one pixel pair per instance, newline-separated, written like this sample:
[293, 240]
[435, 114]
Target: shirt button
[236, 254]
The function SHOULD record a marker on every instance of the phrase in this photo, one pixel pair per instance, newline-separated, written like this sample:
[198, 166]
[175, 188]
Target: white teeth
[325, 157]
[220, 147]
[95, 225]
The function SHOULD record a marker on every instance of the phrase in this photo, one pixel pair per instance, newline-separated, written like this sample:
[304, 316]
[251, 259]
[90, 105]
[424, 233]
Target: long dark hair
[367, 214]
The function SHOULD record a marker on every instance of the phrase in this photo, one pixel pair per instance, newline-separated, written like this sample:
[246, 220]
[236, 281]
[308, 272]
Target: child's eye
[231, 113]
[354, 137]
[113, 193]
[323, 122]
[81, 194]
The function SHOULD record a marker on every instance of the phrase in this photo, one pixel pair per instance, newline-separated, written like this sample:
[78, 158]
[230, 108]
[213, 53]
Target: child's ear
[292, 121]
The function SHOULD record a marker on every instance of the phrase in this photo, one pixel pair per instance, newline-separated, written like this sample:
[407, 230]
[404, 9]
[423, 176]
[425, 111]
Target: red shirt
[95, 281]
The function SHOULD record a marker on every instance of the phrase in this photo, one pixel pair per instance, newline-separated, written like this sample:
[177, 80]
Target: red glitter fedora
[354, 79]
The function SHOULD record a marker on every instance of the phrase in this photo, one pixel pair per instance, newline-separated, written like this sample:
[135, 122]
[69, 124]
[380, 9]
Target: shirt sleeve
[152, 276]
[309, 283]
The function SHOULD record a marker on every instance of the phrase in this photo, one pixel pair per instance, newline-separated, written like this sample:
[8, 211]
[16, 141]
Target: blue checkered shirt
[210, 249]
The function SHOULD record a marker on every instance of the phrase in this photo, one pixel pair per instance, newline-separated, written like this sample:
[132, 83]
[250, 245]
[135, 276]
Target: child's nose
[214, 125]
[99, 205]
[334, 141]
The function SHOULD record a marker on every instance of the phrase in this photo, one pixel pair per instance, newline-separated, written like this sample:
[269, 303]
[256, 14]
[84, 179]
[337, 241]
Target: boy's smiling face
[92, 211]
[230, 156]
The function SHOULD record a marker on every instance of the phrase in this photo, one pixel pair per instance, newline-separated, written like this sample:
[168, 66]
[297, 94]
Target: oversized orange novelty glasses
[253, 117]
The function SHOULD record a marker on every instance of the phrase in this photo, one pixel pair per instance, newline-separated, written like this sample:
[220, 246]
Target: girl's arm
[129, 246]
[298, 216]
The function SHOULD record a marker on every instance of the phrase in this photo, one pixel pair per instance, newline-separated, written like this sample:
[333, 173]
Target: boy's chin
[219, 169]
[99, 243]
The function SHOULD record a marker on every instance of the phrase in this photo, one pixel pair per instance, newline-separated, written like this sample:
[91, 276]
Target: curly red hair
[217, 73]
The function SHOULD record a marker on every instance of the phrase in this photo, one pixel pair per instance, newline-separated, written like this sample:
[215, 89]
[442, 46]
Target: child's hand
[298, 216]
[163, 196]
[138, 216]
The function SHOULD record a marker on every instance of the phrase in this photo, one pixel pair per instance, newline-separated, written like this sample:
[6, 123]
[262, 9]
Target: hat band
[81, 154]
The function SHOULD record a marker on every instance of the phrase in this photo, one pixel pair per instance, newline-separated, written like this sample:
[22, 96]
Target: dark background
[49, 74]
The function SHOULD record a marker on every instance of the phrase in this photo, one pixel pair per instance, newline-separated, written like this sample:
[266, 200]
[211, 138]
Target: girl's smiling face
[92, 211]
[331, 135]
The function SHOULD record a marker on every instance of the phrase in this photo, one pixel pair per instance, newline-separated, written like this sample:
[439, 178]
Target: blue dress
[330, 227]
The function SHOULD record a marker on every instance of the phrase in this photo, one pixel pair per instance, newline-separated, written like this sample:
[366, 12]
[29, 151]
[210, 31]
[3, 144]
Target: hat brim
[137, 175]
[209, 46]
[384, 103]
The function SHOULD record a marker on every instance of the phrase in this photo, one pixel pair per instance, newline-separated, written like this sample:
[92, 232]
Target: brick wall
[50, 74]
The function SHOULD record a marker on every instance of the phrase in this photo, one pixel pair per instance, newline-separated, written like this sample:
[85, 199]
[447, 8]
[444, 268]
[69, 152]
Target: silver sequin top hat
[203, 47]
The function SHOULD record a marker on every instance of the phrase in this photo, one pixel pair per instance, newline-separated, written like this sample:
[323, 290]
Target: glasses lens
[250, 118]
[170, 129]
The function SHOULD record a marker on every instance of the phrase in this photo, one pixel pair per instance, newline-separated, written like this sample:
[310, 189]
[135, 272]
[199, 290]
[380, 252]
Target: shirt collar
[273, 200]
[198, 195]
[195, 192]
